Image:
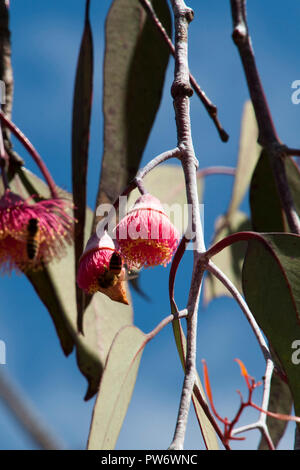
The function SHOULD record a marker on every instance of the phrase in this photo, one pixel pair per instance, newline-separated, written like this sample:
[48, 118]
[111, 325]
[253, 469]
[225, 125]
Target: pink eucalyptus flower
[146, 236]
[54, 229]
[94, 273]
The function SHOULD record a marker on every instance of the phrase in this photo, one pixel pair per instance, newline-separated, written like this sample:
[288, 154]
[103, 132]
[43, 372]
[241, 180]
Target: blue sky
[45, 40]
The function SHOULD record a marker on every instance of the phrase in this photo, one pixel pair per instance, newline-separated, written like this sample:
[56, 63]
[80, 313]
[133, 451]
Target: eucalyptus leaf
[249, 151]
[134, 70]
[82, 105]
[116, 388]
[281, 402]
[55, 285]
[272, 291]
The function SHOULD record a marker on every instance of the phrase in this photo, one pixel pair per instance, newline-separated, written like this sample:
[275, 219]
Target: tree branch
[261, 423]
[31, 150]
[6, 75]
[26, 416]
[181, 91]
[267, 133]
[209, 106]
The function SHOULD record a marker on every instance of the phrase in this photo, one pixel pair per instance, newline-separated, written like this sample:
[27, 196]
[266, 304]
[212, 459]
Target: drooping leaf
[230, 259]
[249, 151]
[55, 286]
[293, 177]
[116, 388]
[134, 69]
[272, 291]
[280, 401]
[207, 430]
[82, 104]
[266, 209]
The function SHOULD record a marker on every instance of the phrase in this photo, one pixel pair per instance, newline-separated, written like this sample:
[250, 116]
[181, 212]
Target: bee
[32, 238]
[113, 274]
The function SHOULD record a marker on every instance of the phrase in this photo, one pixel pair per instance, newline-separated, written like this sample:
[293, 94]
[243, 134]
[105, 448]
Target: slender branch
[32, 151]
[3, 161]
[289, 152]
[137, 182]
[26, 415]
[216, 170]
[267, 133]
[174, 153]
[164, 322]
[140, 185]
[261, 424]
[181, 91]
[209, 106]
[6, 76]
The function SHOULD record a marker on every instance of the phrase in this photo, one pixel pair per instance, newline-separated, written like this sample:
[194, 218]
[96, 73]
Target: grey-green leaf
[272, 291]
[134, 70]
[55, 286]
[249, 151]
[82, 105]
[280, 401]
[116, 388]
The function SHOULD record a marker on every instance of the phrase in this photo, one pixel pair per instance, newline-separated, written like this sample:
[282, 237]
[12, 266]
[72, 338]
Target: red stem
[235, 237]
[32, 151]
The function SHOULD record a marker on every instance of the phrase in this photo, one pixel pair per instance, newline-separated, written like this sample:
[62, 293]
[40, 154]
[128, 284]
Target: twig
[164, 322]
[26, 416]
[32, 151]
[137, 182]
[267, 133]
[261, 424]
[174, 153]
[209, 106]
[6, 75]
[216, 170]
[289, 152]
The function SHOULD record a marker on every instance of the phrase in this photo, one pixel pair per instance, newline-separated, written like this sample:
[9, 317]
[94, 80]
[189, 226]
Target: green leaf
[280, 401]
[55, 286]
[272, 291]
[116, 388]
[293, 177]
[82, 104]
[207, 430]
[157, 182]
[134, 70]
[266, 209]
[248, 155]
[230, 259]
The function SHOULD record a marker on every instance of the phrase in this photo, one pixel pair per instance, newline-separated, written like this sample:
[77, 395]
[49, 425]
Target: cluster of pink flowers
[54, 227]
[145, 237]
